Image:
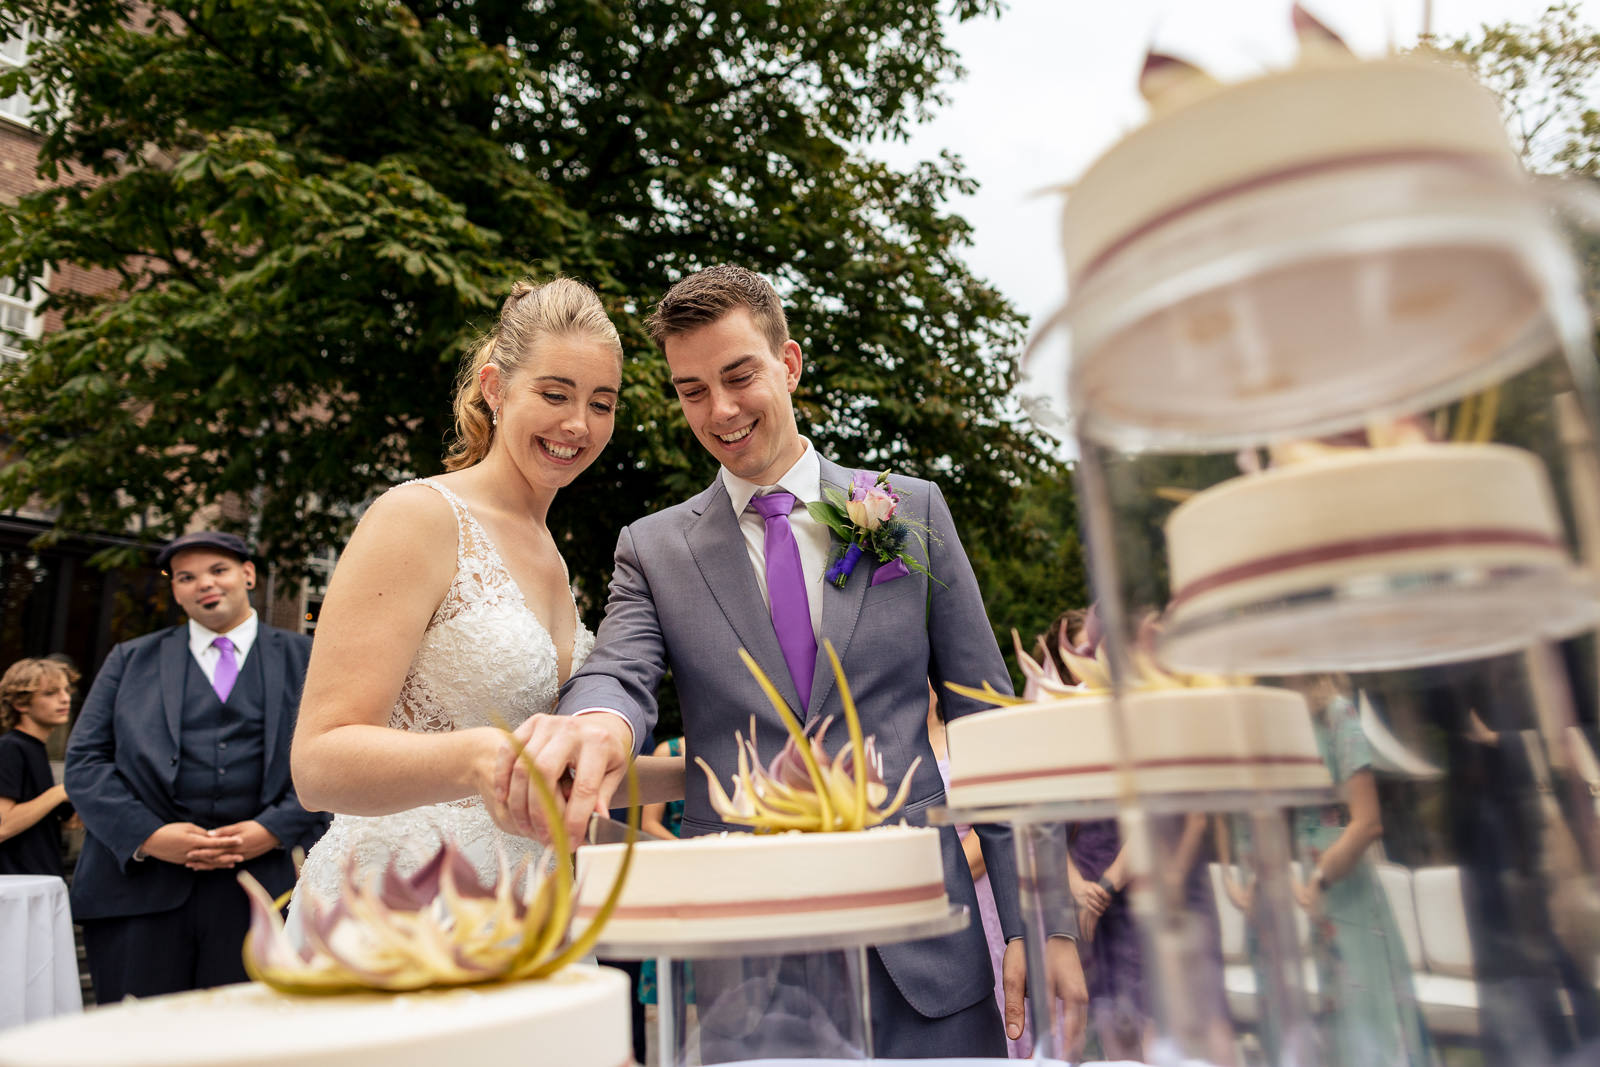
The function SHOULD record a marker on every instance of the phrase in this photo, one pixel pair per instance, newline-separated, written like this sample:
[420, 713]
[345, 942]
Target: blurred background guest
[35, 699]
[1362, 971]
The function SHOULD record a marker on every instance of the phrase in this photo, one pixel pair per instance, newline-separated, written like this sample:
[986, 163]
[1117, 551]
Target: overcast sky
[1052, 83]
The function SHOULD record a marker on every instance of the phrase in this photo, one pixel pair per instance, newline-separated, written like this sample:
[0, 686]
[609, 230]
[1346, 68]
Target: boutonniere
[866, 525]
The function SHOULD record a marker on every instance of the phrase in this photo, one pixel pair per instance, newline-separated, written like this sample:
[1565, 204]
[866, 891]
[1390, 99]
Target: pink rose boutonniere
[866, 525]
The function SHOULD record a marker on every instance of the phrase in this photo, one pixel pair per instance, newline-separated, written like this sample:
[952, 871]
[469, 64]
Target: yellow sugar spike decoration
[584, 942]
[555, 927]
[720, 801]
[1488, 408]
[858, 744]
[1089, 670]
[801, 742]
[539, 907]
[988, 694]
[900, 795]
[1466, 419]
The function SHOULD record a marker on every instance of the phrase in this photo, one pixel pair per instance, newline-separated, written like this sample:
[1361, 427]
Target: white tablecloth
[38, 964]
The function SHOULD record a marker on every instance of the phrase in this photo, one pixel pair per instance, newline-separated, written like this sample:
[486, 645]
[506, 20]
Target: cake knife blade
[606, 831]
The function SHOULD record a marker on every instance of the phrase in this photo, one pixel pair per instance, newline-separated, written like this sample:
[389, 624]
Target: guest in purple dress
[1098, 875]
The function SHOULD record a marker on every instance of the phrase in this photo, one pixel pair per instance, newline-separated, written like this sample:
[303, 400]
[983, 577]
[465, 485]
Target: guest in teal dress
[1362, 972]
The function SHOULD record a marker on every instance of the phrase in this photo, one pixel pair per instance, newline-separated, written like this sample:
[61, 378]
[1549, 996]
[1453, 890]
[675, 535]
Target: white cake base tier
[578, 1018]
[1180, 741]
[737, 885]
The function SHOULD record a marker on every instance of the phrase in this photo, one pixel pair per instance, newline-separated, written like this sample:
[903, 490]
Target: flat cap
[222, 542]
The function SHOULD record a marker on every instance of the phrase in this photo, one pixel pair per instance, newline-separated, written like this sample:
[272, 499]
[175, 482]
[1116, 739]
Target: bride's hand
[492, 771]
[590, 751]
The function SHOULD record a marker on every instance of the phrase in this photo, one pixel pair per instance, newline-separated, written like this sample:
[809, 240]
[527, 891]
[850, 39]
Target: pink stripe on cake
[1365, 546]
[1139, 765]
[733, 908]
[1461, 160]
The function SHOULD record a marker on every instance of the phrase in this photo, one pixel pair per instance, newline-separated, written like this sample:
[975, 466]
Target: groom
[735, 567]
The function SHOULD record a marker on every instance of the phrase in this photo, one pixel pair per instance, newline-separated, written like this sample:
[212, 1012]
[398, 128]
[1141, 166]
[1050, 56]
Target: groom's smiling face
[735, 394]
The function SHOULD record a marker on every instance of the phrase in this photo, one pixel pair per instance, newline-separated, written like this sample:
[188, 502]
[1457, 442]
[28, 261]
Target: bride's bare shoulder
[407, 520]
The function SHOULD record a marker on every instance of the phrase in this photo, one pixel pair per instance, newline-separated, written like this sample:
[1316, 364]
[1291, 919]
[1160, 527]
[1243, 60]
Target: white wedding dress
[485, 659]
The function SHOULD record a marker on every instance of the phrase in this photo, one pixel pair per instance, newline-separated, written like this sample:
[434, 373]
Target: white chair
[1396, 882]
[1447, 993]
[1238, 977]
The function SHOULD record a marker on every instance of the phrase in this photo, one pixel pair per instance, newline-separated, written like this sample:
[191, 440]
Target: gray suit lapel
[174, 666]
[841, 608]
[718, 547]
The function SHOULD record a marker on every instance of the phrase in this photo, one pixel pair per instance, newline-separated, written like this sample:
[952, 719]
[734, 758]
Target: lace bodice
[485, 653]
[485, 659]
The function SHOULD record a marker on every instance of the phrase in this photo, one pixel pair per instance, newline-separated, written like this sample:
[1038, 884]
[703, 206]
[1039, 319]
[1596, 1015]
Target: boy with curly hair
[35, 698]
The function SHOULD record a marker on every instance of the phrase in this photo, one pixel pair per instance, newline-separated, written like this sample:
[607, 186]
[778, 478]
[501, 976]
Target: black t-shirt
[24, 774]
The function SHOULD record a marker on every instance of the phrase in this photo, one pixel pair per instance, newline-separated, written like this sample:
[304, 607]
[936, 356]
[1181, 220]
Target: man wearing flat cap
[179, 766]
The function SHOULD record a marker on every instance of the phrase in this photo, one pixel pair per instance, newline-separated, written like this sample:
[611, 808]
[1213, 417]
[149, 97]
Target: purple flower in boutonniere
[865, 522]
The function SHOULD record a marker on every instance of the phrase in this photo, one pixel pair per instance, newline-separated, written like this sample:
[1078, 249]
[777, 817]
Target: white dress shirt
[208, 655]
[804, 480]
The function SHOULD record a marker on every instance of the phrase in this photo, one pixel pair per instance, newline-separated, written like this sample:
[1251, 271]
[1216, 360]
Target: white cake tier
[1308, 526]
[1224, 739]
[1291, 124]
[1291, 253]
[1369, 560]
[736, 885]
[578, 1018]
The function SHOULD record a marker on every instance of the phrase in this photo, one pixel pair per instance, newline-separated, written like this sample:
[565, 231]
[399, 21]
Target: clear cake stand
[1039, 836]
[856, 941]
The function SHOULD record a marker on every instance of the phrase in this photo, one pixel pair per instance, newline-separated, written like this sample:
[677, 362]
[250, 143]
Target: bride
[450, 613]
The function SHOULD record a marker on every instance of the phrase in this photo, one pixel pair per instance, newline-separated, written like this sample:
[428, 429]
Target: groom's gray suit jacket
[684, 596]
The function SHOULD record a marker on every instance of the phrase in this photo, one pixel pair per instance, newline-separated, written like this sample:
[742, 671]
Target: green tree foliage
[1039, 569]
[1545, 76]
[311, 206]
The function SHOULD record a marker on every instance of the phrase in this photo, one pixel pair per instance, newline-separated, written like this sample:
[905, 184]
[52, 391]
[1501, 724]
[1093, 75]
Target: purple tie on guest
[786, 592]
[227, 668]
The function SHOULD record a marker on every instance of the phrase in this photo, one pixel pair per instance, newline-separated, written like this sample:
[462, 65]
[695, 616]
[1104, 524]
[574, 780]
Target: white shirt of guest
[804, 480]
[208, 655]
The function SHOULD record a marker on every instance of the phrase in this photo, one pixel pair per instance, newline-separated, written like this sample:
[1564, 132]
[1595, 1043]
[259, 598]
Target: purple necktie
[227, 668]
[786, 591]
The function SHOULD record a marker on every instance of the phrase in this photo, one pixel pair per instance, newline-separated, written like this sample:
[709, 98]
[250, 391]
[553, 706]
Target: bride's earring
[494, 417]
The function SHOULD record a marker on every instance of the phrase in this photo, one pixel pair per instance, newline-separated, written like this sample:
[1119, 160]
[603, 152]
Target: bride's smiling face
[557, 411]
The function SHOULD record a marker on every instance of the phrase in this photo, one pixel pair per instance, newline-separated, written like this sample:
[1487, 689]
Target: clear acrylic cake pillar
[793, 1006]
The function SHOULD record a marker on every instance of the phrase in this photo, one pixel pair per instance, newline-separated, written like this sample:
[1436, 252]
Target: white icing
[782, 875]
[1359, 496]
[1181, 740]
[577, 1018]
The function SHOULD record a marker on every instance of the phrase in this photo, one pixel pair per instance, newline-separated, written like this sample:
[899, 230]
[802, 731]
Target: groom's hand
[582, 758]
[1066, 1002]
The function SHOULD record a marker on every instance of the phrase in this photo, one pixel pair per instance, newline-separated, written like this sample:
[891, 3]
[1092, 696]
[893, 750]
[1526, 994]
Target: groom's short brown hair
[707, 295]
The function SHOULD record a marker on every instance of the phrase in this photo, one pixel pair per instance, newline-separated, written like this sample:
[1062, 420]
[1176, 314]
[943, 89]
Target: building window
[19, 317]
[14, 53]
